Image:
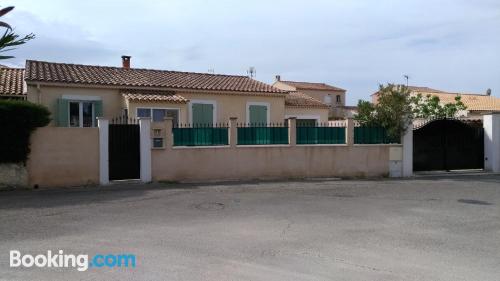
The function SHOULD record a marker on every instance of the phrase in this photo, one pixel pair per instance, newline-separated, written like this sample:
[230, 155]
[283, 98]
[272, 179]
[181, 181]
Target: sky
[451, 45]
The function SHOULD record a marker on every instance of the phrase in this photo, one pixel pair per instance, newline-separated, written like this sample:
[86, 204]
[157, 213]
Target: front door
[203, 115]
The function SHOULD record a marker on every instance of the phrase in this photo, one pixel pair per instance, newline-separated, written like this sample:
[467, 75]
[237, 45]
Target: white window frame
[80, 113]
[80, 99]
[212, 102]
[268, 111]
[154, 107]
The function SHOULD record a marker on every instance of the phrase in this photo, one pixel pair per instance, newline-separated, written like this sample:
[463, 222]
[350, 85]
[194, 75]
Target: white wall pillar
[491, 125]
[349, 131]
[233, 132]
[145, 151]
[407, 142]
[169, 136]
[103, 125]
[292, 131]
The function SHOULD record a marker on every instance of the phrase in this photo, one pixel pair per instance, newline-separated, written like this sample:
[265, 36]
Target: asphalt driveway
[425, 229]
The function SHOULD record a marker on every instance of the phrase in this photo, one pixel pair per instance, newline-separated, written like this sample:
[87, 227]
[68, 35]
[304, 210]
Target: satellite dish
[488, 92]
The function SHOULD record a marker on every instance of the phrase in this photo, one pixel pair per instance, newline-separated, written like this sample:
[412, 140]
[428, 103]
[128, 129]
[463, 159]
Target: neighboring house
[334, 97]
[76, 94]
[12, 84]
[477, 104]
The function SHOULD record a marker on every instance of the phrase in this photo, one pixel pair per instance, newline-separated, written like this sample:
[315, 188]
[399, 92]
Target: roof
[298, 99]
[11, 82]
[40, 71]
[152, 96]
[424, 89]
[418, 89]
[474, 102]
[312, 86]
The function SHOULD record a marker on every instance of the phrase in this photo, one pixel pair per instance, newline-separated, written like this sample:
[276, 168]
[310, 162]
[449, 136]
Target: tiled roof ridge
[136, 68]
[51, 72]
[297, 85]
[299, 99]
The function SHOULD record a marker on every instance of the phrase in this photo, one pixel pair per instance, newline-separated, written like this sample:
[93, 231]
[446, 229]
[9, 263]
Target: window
[258, 113]
[202, 114]
[328, 99]
[159, 114]
[338, 99]
[81, 114]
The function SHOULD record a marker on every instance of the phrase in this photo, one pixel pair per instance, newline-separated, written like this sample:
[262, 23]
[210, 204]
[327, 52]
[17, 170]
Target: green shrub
[18, 119]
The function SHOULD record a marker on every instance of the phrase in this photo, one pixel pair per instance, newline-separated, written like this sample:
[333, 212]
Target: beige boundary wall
[64, 157]
[235, 162]
[269, 162]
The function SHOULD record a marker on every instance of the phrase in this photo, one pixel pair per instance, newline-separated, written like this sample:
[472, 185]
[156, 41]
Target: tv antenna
[252, 72]
[407, 77]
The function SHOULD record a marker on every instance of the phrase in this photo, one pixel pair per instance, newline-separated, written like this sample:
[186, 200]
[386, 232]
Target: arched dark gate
[448, 144]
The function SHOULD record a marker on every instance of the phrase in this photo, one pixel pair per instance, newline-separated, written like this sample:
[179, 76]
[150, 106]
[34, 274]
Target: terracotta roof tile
[11, 82]
[474, 102]
[312, 86]
[298, 99]
[136, 77]
[152, 96]
[424, 89]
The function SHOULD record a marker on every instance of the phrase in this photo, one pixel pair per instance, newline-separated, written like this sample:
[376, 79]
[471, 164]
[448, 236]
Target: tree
[10, 39]
[431, 107]
[393, 110]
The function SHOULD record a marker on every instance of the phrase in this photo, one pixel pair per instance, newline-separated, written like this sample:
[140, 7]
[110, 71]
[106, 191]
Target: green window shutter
[258, 114]
[98, 108]
[202, 114]
[208, 114]
[62, 113]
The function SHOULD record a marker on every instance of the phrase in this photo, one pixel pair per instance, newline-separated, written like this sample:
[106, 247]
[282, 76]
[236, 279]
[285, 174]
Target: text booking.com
[58, 259]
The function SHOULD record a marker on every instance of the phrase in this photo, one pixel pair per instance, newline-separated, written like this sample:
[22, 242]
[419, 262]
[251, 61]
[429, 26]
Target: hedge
[18, 119]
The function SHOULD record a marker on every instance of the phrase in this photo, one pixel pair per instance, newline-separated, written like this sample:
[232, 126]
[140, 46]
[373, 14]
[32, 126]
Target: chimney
[126, 61]
[278, 78]
[488, 92]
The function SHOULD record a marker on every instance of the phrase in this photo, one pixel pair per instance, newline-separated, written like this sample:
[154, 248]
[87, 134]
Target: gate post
[233, 132]
[169, 136]
[491, 125]
[292, 131]
[103, 125]
[145, 148]
[349, 131]
[407, 142]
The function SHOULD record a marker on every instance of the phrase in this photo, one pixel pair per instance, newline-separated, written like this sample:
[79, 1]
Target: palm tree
[10, 39]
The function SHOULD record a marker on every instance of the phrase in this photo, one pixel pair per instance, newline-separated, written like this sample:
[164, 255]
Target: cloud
[351, 44]
[57, 41]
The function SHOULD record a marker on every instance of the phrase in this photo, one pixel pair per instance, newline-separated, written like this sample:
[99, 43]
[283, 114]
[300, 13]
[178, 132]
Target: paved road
[424, 229]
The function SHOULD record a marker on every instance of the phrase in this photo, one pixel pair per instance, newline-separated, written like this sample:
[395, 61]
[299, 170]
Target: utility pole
[407, 78]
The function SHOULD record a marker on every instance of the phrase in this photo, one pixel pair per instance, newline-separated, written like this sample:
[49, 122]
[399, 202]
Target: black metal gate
[124, 149]
[448, 144]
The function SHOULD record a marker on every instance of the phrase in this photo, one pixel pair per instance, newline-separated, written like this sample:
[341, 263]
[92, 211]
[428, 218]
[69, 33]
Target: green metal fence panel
[262, 135]
[207, 136]
[372, 135]
[321, 135]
